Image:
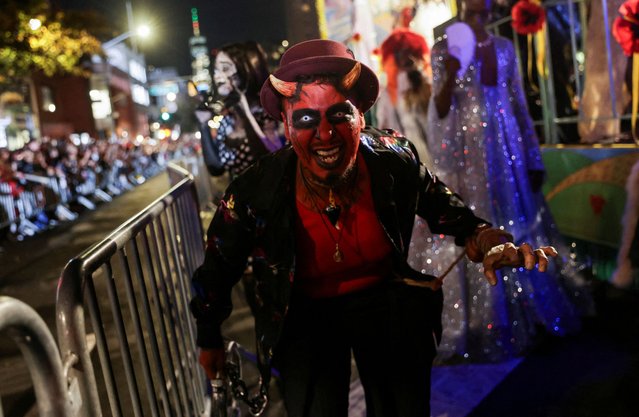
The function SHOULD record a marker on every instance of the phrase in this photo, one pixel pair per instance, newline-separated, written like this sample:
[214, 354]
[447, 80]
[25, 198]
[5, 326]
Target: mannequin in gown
[483, 145]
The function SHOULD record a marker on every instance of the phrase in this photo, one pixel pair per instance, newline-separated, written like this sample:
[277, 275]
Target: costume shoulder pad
[387, 140]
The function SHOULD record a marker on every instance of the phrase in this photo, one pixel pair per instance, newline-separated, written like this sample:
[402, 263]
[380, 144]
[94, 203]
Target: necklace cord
[338, 256]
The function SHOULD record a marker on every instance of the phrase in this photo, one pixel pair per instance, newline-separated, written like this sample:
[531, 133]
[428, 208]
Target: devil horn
[351, 78]
[285, 88]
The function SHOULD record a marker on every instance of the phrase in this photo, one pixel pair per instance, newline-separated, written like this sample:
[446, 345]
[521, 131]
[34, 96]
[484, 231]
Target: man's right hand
[212, 360]
[444, 97]
[451, 66]
[233, 98]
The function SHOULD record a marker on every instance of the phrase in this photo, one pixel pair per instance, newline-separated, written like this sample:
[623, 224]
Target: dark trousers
[389, 331]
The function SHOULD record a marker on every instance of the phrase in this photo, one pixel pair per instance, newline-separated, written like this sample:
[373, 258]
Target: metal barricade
[135, 286]
[17, 210]
[41, 355]
[207, 187]
[7, 206]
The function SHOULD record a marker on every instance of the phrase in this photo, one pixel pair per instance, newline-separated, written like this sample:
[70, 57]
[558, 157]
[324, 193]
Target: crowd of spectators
[51, 181]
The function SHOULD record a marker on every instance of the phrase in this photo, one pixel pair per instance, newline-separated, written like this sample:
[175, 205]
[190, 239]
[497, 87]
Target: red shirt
[364, 245]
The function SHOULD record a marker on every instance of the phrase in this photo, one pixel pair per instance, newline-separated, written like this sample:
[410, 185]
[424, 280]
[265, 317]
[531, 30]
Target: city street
[538, 138]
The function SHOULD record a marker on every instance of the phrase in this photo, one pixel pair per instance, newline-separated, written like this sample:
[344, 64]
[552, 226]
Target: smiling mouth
[329, 157]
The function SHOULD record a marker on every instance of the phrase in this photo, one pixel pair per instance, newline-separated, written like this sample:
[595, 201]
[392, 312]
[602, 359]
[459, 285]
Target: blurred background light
[35, 24]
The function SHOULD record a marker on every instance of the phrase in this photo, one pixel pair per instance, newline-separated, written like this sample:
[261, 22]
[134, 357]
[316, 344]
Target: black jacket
[257, 217]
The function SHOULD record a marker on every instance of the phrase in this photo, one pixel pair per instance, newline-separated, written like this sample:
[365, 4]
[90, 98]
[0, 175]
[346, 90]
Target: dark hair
[252, 67]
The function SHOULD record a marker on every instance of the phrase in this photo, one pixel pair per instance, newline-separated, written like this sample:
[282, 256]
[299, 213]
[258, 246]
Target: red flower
[357, 37]
[625, 28]
[528, 17]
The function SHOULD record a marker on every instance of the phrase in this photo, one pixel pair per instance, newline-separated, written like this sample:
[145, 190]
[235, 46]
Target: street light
[35, 24]
[143, 31]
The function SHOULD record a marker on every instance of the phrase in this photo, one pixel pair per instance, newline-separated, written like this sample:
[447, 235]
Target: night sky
[221, 21]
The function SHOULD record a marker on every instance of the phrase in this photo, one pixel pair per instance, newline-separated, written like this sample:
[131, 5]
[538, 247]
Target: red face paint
[323, 127]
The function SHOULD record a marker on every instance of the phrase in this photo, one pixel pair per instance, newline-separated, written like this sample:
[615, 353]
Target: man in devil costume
[327, 221]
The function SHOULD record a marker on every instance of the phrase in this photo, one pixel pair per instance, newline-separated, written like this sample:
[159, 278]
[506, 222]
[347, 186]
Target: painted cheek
[300, 148]
[349, 131]
[235, 80]
[299, 140]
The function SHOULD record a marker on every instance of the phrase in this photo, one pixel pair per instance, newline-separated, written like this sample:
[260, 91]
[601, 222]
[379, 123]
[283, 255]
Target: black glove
[232, 99]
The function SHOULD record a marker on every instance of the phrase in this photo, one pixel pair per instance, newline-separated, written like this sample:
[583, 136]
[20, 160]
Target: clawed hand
[507, 254]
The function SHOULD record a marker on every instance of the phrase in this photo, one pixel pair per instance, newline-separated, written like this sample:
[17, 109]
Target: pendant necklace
[332, 211]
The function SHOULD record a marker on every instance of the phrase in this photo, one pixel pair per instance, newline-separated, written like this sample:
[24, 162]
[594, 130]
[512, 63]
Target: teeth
[328, 156]
[327, 152]
[328, 160]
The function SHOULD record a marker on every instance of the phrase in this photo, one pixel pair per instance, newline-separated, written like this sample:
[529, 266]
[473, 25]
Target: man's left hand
[507, 254]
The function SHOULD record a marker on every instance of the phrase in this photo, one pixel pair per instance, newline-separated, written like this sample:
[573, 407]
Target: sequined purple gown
[483, 149]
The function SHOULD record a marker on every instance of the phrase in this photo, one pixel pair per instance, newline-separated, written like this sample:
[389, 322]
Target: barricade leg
[38, 348]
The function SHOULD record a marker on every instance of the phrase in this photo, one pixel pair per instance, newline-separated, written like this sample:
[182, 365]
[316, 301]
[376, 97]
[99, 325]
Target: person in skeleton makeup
[327, 221]
[243, 132]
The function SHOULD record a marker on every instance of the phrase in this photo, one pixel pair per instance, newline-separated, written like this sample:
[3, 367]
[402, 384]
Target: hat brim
[365, 90]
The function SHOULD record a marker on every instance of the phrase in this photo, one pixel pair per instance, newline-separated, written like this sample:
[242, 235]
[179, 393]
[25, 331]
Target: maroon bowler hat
[320, 56]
